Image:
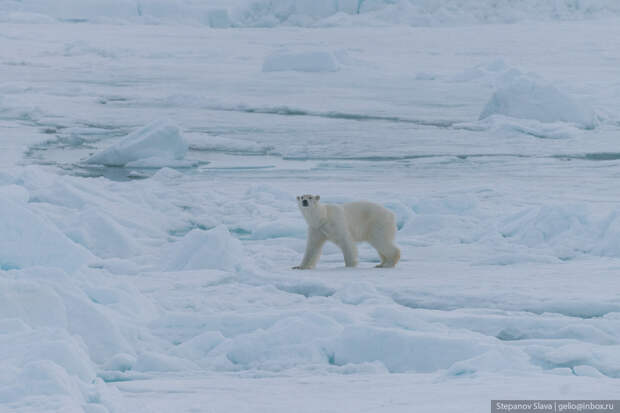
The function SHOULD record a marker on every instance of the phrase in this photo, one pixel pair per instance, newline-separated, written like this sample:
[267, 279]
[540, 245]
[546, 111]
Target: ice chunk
[528, 98]
[495, 360]
[402, 351]
[151, 361]
[44, 378]
[161, 162]
[587, 371]
[275, 348]
[159, 140]
[548, 225]
[198, 347]
[104, 341]
[60, 305]
[608, 244]
[46, 308]
[586, 360]
[215, 249]
[29, 240]
[318, 61]
[14, 192]
[48, 363]
[121, 362]
[101, 234]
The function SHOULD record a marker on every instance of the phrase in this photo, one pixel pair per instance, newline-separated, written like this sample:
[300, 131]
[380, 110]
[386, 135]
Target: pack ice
[305, 13]
[156, 277]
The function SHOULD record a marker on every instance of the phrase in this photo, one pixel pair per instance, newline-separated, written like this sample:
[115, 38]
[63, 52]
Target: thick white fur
[345, 225]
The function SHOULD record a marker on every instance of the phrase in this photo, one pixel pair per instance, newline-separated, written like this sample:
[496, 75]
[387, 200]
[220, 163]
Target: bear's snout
[304, 202]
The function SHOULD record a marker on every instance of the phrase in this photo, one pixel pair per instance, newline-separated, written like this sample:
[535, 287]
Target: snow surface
[158, 277]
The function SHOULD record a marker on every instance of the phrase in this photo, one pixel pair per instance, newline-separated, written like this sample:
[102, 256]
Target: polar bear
[345, 225]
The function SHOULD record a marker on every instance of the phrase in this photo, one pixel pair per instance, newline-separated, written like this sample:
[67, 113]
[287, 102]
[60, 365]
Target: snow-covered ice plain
[151, 153]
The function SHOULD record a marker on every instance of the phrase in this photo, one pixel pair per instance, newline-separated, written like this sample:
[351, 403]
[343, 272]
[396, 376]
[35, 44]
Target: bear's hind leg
[383, 260]
[394, 258]
[389, 253]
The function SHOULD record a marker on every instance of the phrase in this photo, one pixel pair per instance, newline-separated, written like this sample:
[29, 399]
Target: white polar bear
[345, 225]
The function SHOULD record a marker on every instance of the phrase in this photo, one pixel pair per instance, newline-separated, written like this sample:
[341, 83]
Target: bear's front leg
[314, 245]
[350, 255]
[349, 250]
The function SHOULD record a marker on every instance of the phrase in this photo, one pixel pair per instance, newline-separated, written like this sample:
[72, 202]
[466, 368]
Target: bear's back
[363, 215]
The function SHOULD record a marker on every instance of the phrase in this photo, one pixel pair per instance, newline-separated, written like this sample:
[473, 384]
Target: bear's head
[309, 206]
[306, 201]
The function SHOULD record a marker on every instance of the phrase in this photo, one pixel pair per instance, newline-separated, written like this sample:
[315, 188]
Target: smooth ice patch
[318, 61]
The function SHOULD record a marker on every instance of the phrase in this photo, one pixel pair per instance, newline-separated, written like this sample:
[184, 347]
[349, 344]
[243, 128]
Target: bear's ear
[318, 197]
[298, 197]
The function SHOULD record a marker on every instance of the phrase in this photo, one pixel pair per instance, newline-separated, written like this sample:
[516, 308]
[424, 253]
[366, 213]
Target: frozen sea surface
[164, 283]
